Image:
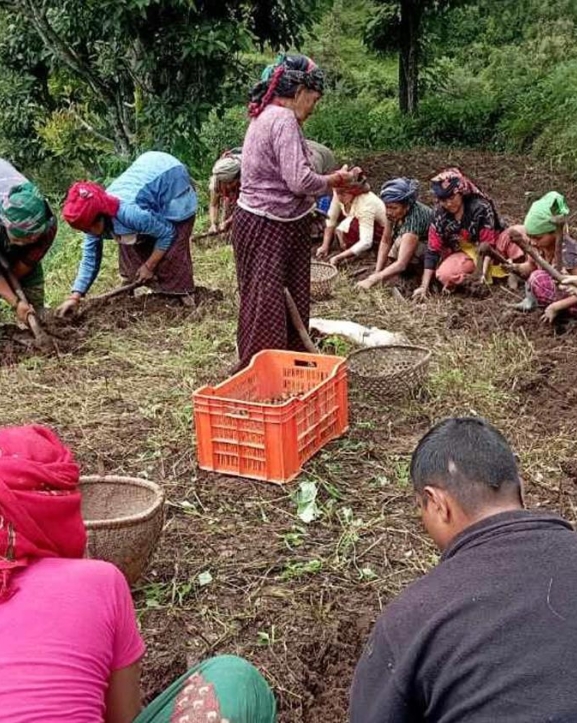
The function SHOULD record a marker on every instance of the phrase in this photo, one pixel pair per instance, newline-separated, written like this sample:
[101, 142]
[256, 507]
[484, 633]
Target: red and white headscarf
[85, 202]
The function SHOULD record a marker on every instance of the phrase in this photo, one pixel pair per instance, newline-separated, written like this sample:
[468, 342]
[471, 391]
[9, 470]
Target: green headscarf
[538, 219]
[23, 211]
[227, 686]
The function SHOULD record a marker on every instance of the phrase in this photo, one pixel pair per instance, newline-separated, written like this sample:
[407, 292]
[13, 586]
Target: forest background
[88, 85]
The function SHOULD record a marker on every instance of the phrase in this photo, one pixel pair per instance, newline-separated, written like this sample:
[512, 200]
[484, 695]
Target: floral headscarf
[451, 181]
[282, 80]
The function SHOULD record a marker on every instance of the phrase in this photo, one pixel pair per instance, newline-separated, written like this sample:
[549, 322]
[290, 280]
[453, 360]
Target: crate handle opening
[305, 363]
[238, 414]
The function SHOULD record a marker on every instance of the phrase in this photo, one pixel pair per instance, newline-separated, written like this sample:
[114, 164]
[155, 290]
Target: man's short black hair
[470, 459]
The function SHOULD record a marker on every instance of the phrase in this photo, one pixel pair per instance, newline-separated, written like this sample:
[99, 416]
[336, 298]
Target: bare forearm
[383, 255]
[328, 236]
[391, 270]
[7, 294]
[342, 256]
[154, 259]
[213, 213]
[427, 278]
[563, 304]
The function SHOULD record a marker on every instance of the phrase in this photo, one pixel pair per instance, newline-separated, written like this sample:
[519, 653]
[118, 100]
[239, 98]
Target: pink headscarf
[39, 500]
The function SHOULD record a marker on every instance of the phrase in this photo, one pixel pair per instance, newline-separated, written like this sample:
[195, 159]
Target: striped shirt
[416, 222]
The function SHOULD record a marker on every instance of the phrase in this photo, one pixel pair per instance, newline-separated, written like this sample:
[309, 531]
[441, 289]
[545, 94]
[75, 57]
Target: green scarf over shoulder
[225, 688]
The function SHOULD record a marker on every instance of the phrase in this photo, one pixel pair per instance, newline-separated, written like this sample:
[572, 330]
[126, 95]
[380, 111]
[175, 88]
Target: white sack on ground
[358, 333]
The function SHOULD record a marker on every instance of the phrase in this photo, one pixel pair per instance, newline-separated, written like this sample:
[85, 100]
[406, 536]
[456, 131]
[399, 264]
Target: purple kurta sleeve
[294, 164]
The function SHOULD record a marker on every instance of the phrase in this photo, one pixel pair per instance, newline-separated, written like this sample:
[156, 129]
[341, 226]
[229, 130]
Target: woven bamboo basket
[389, 372]
[322, 278]
[123, 518]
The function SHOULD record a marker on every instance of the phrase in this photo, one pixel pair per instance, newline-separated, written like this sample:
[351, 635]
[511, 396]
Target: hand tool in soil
[537, 258]
[486, 249]
[559, 222]
[397, 296]
[295, 317]
[41, 338]
[118, 291]
[207, 234]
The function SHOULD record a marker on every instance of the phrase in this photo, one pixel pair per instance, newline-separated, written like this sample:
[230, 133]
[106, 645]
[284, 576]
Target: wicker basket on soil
[123, 518]
[389, 372]
[322, 279]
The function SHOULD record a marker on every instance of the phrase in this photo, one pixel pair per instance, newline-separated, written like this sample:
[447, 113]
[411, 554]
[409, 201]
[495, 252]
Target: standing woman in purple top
[272, 221]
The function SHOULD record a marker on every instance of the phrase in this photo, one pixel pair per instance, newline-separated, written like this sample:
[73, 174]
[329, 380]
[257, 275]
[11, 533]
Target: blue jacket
[155, 192]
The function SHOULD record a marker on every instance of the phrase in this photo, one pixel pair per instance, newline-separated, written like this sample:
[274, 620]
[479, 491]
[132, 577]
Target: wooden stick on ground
[559, 222]
[295, 317]
[536, 256]
[486, 249]
[118, 291]
[361, 271]
[540, 261]
[206, 234]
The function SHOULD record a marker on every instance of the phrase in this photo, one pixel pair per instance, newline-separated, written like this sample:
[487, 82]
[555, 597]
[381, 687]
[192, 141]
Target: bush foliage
[499, 74]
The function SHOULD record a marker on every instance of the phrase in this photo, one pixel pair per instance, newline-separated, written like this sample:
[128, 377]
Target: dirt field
[299, 599]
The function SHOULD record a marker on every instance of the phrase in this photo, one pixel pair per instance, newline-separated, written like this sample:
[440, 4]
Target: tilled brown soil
[514, 182]
[312, 627]
[299, 599]
[73, 334]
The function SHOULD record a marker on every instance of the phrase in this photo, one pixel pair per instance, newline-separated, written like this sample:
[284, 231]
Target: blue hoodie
[155, 192]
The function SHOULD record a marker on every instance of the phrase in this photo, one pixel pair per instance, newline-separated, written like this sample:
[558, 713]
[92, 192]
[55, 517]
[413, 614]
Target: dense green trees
[401, 25]
[86, 83]
[121, 74]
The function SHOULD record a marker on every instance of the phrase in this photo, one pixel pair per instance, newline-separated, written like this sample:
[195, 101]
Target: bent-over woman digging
[149, 211]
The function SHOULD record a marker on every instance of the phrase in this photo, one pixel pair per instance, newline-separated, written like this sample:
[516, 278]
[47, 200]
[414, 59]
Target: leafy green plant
[266, 639]
[294, 538]
[401, 466]
[295, 570]
[306, 501]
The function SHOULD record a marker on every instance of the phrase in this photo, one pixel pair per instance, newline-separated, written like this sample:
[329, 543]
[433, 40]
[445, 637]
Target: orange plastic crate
[239, 433]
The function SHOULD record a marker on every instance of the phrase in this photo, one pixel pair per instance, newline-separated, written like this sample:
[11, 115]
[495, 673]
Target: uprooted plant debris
[72, 334]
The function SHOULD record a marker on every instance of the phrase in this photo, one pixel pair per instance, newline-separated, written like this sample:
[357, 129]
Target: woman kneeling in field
[464, 218]
[539, 229]
[357, 217]
[225, 182]
[404, 239]
[70, 648]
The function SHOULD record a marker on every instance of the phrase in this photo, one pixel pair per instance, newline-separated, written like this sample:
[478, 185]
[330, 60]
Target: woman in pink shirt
[272, 221]
[70, 648]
